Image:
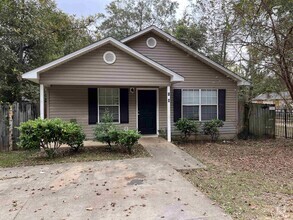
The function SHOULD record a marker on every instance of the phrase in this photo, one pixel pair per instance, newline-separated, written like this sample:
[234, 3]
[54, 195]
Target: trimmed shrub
[212, 128]
[29, 138]
[128, 138]
[44, 133]
[73, 135]
[49, 134]
[186, 127]
[106, 131]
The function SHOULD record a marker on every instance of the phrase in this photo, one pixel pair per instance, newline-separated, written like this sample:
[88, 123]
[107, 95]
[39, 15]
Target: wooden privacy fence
[10, 118]
[256, 120]
[4, 127]
[262, 120]
[22, 111]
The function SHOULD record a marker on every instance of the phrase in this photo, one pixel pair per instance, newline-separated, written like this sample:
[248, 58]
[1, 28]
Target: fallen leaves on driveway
[89, 209]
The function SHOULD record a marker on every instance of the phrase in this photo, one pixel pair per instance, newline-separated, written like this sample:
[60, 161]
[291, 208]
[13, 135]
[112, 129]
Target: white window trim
[109, 105]
[199, 105]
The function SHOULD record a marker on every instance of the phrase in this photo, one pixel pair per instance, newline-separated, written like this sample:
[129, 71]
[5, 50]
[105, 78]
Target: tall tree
[125, 17]
[32, 33]
[221, 24]
[188, 31]
[269, 28]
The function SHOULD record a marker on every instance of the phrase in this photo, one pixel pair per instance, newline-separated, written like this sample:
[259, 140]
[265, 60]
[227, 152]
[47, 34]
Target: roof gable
[90, 69]
[180, 45]
[33, 75]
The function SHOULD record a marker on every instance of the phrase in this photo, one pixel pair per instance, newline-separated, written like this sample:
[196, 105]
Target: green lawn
[28, 158]
[248, 179]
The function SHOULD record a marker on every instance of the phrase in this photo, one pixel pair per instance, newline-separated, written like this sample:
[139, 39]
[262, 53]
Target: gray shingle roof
[272, 96]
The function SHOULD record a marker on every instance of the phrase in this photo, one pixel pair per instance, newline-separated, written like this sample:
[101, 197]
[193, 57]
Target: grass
[248, 179]
[93, 153]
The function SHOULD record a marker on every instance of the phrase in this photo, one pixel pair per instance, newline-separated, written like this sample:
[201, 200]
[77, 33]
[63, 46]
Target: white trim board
[158, 107]
[33, 75]
[204, 59]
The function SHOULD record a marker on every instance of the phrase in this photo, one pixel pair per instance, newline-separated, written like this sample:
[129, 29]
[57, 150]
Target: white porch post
[42, 101]
[168, 114]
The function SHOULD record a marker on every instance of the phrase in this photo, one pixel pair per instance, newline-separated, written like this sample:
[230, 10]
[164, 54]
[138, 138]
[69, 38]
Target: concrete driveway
[130, 189]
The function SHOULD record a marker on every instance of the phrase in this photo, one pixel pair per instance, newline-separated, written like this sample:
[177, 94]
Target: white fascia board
[206, 60]
[33, 75]
[243, 83]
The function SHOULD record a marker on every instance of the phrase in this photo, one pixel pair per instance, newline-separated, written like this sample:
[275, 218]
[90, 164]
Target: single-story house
[280, 100]
[147, 81]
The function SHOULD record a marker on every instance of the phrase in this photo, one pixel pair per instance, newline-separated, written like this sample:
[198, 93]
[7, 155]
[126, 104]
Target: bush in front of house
[128, 138]
[212, 128]
[106, 131]
[73, 135]
[29, 138]
[47, 133]
[50, 134]
[186, 127]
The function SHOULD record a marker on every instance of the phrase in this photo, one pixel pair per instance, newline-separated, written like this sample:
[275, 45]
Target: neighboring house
[147, 81]
[280, 100]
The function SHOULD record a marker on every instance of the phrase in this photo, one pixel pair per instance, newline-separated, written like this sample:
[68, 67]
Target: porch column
[168, 114]
[42, 101]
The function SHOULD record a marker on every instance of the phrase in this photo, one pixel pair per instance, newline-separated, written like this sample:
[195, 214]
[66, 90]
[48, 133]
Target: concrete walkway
[169, 154]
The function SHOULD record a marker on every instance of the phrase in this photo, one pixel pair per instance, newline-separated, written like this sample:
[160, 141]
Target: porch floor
[167, 153]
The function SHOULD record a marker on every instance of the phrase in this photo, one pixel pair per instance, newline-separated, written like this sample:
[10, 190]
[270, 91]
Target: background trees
[250, 37]
[268, 28]
[33, 33]
[125, 17]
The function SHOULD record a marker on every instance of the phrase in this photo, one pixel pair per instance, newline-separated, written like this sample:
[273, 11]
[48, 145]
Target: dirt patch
[67, 177]
[138, 175]
[135, 179]
[249, 179]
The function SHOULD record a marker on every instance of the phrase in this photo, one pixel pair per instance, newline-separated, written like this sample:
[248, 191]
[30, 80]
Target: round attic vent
[151, 42]
[109, 57]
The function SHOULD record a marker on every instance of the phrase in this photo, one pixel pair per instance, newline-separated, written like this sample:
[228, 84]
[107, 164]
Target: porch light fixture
[132, 90]
[109, 57]
[151, 42]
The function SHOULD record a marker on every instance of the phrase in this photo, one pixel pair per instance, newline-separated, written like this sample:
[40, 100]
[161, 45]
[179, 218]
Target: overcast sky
[90, 7]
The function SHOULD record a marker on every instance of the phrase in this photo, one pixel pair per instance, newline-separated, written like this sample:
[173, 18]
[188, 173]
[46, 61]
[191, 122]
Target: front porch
[146, 109]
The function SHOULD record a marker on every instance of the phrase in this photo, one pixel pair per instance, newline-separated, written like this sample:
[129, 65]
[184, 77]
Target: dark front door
[147, 111]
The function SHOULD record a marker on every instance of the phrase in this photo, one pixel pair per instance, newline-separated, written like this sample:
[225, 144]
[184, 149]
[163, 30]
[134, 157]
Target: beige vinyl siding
[71, 102]
[196, 75]
[90, 69]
